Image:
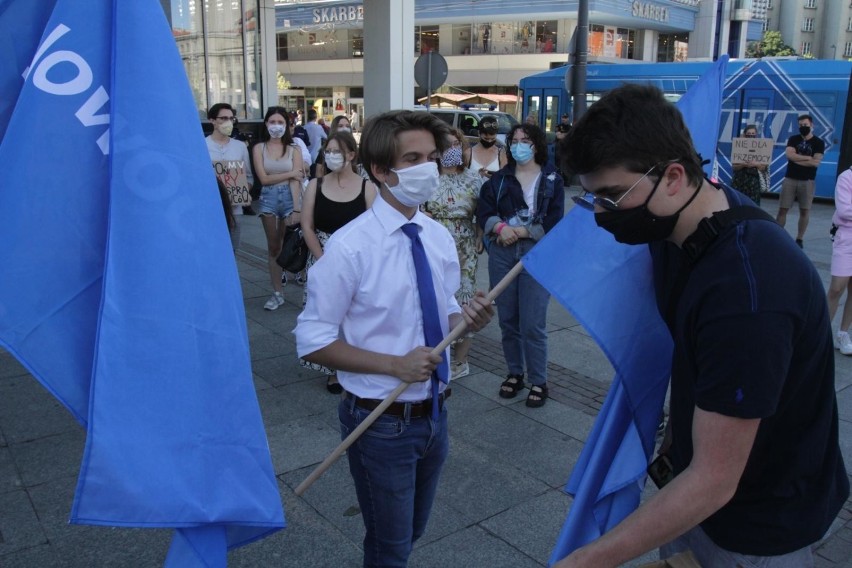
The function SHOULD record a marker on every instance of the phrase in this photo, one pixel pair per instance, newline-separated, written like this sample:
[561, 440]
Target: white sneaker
[460, 370]
[275, 301]
[844, 342]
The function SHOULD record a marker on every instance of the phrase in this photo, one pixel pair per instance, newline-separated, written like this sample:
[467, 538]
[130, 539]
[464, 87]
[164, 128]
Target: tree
[283, 84]
[770, 45]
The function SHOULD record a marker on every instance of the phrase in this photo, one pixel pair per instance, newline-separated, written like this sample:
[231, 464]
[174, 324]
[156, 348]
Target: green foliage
[771, 45]
[283, 84]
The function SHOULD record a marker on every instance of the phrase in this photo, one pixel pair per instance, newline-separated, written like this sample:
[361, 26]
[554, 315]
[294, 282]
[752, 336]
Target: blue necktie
[429, 307]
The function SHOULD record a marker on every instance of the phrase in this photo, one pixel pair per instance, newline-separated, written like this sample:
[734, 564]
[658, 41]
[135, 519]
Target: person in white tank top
[488, 155]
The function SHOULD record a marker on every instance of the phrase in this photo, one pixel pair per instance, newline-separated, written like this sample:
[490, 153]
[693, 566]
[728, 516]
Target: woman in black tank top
[329, 203]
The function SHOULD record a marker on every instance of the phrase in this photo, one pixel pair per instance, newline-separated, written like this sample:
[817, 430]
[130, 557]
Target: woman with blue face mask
[516, 208]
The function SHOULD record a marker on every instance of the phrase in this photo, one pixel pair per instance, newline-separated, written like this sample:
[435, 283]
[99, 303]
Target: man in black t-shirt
[754, 447]
[804, 153]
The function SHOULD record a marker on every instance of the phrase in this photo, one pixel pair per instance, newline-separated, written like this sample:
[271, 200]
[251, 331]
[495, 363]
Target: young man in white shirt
[363, 316]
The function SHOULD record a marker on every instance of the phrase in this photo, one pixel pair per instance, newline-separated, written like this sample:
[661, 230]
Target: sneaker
[275, 301]
[283, 278]
[301, 278]
[844, 342]
[460, 370]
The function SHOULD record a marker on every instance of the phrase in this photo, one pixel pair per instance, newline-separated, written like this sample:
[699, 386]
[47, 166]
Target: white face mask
[344, 129]
[334, 162]
[226, 128]
[416, 184]
[276, 130]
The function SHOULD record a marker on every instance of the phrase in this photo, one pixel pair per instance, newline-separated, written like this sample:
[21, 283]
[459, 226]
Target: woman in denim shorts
[278, 166]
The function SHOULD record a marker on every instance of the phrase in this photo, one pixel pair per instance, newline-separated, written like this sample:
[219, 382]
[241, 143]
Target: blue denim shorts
[276, 200]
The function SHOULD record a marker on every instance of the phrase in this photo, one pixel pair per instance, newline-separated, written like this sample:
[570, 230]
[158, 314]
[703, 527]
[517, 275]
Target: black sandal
[512, 386]
[540, 394]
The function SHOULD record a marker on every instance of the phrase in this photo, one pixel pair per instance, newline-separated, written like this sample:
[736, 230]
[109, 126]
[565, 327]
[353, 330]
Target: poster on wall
[609, 42]
[502, 37]
[339, 107]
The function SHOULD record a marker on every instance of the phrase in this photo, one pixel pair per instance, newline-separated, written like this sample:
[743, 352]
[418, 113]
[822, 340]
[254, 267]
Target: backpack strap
[711, 227]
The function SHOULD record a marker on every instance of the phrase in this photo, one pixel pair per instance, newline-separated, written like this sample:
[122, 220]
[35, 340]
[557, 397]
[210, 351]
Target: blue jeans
[395, 465]
[276, 200]
[709, 554]
[522, 312]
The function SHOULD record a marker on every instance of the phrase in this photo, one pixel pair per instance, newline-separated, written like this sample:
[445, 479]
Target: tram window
[533, 106]
[550, 117]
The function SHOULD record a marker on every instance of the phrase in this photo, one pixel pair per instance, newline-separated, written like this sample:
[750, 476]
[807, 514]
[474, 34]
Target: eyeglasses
[230, 118]
[588, 200]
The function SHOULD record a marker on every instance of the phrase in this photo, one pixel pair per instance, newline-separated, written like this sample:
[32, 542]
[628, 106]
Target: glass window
[502, 37]
[356, 40]
[847, 52]
[467, 123]
[606, 41]
[481, 40]
[545, 36]
[550, 114]
[673, 47]
[624, 42]
[461, 39]
[252, 64]
[225, 61]
[808, 25]
[525, 37]
[188, 31]
[533, 105]
[281, 47]
[810, 3]
[806, 48]
[425, 39]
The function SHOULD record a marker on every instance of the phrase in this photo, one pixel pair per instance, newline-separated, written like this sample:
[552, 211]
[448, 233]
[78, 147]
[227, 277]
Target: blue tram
[770, 93]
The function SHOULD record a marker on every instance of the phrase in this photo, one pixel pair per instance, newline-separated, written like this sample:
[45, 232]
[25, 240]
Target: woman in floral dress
[454, 205]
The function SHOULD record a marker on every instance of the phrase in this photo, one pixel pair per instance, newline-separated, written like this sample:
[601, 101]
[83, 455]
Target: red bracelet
[499, 227]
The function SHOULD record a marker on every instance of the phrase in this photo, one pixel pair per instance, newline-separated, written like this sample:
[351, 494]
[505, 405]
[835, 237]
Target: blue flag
[609, 288]
[701, 107]
[120, 291]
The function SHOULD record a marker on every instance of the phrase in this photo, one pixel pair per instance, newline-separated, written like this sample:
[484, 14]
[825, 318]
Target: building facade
[490, 46]
[309, 53]
[817, 28]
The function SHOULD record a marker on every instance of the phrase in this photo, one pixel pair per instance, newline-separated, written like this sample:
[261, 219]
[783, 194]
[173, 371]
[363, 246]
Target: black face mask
[804, 130]
[487, 143]
[638, 225]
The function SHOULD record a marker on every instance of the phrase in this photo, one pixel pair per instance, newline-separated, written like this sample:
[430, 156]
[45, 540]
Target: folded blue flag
[609, 288]
[120, 292]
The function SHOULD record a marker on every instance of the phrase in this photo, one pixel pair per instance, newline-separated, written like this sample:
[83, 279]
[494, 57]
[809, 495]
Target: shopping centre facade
[256, 53]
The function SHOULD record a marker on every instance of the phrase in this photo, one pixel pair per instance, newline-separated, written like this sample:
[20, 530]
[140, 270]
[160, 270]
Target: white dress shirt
[365, 287]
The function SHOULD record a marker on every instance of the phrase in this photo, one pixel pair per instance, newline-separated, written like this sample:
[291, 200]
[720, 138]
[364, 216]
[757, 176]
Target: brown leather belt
[417, 409]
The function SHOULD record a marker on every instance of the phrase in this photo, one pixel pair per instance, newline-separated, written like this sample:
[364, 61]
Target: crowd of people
[395, 226]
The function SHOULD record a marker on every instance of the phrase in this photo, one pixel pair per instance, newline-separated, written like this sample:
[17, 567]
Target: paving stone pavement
[500, 503]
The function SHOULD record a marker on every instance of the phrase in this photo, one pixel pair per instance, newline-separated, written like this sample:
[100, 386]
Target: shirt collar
[391, 219]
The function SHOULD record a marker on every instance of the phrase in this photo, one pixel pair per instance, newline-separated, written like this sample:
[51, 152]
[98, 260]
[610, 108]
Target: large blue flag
[609, 288]
[119, 290]
[701, 107]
